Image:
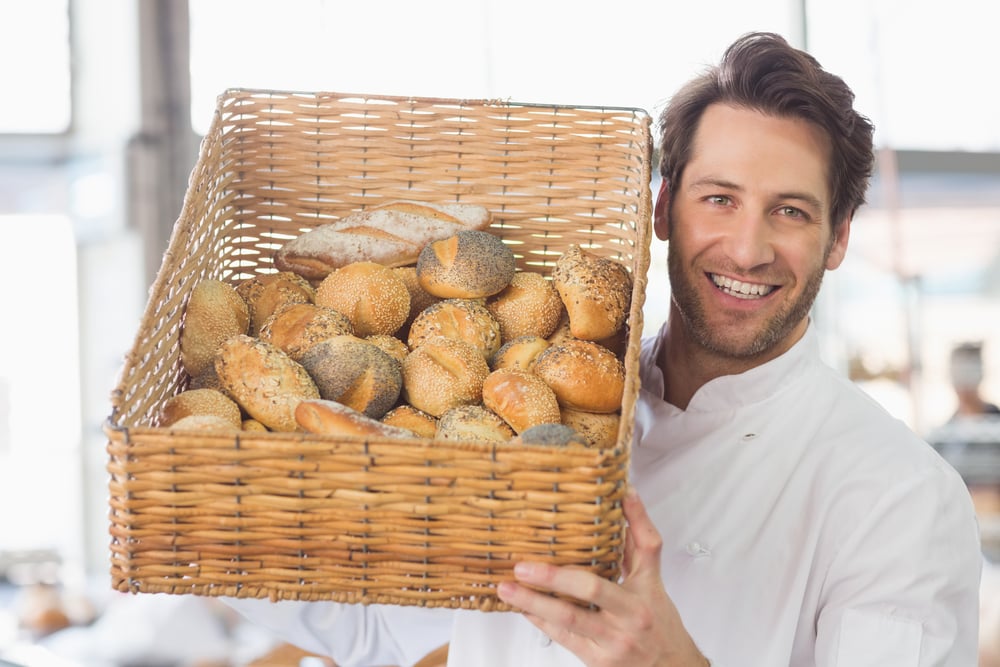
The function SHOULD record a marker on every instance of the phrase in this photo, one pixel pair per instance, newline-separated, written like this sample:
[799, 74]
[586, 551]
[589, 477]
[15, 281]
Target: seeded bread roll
[268, 293]
[213, 423]
[472, 422]
[583, 375]
[355, 373]
[391, 345]
[519, 353]
[461, 319]
[617, 343]
[199, 402]
[443, 373]
[372, 297]
[300, 326]
[214, 313]
[419, 297]
[528, 306]
[408, 417]
[332, 418]
[391, 234]
[253, 425]
[600, 430]
[469, 265]
[596, 292]
[264, 381]
[521, 399]
[556, 435]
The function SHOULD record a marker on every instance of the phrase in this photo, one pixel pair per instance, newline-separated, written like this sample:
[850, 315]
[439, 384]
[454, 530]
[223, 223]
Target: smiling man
[785, 519]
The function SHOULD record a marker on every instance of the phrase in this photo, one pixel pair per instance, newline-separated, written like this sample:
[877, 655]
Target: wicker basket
[414, 522]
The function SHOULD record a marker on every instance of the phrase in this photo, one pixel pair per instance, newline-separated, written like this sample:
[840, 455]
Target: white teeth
[741, 289]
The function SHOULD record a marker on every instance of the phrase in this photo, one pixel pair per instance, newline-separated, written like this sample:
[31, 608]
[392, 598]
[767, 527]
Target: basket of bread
[392, 349]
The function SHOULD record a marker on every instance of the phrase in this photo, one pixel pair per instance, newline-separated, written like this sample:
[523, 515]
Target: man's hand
[634, 623]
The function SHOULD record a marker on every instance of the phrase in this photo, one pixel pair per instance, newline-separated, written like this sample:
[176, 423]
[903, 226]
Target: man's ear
[661, 212]
[838, 248]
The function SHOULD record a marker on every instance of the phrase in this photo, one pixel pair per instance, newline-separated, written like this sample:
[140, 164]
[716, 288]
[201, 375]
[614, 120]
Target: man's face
[750, 234]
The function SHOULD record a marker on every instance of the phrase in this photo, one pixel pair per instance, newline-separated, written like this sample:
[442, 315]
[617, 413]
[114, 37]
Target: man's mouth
[740, 289]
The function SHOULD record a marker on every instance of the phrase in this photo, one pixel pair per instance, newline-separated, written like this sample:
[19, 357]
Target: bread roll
[596, 292]
[556, 435]
[213, 423]
[372, 297]
[419, 297]
[391, 345]
[355, 373]
[461, 319]
[391, 234]
[617, 343]
[268, 293]
[332, 418]
[528, 306]
[600, 430]
[469, 265]
[519, 353]
[583, 375]
[252, 425]
[298, 327]
[214, 313]
[521, 399]
[265, 381]
[472, 422]
[408, 417]
[199, 402]
[443, 373]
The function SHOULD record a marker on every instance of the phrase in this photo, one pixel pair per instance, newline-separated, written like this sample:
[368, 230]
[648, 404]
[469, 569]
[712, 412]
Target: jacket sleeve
[903, 588]
[352, 635]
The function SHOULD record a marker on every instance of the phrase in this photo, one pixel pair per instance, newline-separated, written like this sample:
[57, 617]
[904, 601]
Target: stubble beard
[769, 335]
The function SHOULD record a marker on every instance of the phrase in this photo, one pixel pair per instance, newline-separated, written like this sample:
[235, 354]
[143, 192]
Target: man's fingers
[643, 543]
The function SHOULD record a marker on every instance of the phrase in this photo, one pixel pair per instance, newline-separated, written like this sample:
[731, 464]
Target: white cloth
[802, 526]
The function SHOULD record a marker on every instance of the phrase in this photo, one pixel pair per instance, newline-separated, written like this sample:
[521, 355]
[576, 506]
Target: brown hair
[761, 71]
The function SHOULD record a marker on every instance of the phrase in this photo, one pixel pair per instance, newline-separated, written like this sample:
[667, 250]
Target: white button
[544, 639]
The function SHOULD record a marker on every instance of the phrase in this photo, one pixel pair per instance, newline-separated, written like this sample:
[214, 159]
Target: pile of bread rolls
[441, 338]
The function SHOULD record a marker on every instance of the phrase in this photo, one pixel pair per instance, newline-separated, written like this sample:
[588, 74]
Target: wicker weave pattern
[296, 516]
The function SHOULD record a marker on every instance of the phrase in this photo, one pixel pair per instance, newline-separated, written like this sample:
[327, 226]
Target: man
[785, 518]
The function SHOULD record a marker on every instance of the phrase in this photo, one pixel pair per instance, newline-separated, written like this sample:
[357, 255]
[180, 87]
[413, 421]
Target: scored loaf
[391, 234]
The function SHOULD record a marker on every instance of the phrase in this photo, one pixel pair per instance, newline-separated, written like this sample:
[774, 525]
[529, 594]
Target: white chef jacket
[802, 525]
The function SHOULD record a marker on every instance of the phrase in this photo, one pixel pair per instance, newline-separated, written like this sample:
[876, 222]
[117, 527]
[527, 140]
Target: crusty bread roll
[556, 435]
[521, 399]
[528, 306]
[269, 293]
[213, 423]
[419, 297]
[372, 297]
[391, 234]
[583, 375]
[469, 265]
[332, 418]
[600, 430]
[391, 345]
[265, 381]
[472, 422]
[299, 326]
[617, 343]
[462, 319]
[252, 425]
[443, 373]
[199, 402]
[356, 373]
[519, 353]
[214, 312]
[408, 417]
[596, 291]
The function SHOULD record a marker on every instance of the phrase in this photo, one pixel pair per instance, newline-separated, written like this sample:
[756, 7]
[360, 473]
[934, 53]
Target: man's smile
[741, 289]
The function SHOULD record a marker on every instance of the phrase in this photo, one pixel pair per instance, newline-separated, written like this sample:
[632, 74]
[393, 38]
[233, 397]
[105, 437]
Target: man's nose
[750, 240]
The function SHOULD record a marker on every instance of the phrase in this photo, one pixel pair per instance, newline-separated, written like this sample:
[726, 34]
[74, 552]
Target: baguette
[392, 234]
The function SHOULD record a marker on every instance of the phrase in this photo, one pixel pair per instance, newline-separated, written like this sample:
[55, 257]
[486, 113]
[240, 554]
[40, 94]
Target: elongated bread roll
[215, 312]
[391, 234]
[331, 418]
[596, 292]
[521, 399]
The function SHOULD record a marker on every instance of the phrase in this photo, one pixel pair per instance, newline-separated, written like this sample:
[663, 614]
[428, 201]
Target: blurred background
[103, 106]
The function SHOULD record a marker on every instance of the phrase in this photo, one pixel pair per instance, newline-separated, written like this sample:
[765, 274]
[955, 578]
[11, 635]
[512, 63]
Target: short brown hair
[761, 71]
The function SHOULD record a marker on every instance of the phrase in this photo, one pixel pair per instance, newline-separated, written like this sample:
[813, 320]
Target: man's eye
[791, 212]
[718, 199]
